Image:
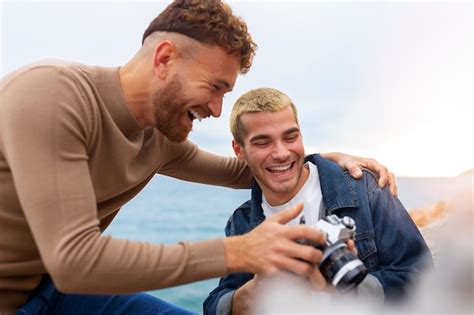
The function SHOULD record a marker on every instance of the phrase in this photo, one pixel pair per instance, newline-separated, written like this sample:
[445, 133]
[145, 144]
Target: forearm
[190, 163]
[64, 223]
[81, 260]
[112, 266]
[243, 298]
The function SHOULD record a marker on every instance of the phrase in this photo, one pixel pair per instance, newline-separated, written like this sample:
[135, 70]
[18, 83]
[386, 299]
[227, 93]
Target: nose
[215, 106]
[280, 152]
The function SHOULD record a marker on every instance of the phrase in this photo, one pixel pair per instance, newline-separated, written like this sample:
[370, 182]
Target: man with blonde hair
[77, 142]
[267, 136]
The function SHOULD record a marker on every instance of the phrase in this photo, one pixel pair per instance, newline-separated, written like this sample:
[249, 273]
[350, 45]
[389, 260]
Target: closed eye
[292, 138]
[291, 135]
[261, 144]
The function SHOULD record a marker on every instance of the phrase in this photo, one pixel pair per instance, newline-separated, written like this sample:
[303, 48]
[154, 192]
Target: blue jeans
[46, 299]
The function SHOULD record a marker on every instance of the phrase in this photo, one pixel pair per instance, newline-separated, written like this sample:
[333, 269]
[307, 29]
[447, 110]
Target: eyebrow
[291, 130]
[264, 137]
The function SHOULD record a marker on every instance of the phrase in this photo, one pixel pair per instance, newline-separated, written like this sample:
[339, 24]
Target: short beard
[168, 109]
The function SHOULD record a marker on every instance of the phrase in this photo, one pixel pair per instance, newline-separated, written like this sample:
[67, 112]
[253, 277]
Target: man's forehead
[268, 134]
[266, 124]
[270, 116]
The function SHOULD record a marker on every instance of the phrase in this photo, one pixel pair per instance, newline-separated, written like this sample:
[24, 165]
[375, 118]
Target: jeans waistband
[39, 300]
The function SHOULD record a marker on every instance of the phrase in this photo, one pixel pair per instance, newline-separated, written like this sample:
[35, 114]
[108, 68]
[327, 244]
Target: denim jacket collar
[336, 187]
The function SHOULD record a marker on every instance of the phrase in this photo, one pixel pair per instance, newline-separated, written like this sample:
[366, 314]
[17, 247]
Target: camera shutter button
[348, 222]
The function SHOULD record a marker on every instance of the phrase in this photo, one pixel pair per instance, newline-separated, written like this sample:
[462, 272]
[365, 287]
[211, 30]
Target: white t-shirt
[310, 196]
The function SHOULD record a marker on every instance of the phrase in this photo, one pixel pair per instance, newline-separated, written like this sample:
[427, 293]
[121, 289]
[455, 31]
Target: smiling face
[273, 149]
[195, 89]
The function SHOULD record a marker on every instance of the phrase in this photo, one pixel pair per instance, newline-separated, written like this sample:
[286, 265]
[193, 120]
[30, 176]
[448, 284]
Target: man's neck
[136, 90]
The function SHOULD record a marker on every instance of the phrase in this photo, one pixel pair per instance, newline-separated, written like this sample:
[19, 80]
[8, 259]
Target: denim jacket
[387, 240]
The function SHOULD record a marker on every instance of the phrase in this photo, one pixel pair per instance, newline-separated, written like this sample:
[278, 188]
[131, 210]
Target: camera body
[339, 266]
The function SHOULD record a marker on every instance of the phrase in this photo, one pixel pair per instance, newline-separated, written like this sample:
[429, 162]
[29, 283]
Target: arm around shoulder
[190, 163]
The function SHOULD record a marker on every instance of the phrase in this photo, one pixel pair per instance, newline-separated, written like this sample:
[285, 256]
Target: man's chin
[281, 188]
[174, 135]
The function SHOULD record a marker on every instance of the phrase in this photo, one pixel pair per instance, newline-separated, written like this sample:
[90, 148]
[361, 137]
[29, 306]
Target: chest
[119, 164]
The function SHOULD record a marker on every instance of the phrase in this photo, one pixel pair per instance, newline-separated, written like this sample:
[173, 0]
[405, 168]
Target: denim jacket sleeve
[227, 286]
[402, 253]
[219, 300]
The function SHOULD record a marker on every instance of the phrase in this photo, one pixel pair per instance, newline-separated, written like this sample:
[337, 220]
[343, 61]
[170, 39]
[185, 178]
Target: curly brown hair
[210, 22]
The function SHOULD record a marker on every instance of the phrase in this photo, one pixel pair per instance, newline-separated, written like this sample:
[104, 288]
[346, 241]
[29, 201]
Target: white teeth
[195, 114]
[280, 168]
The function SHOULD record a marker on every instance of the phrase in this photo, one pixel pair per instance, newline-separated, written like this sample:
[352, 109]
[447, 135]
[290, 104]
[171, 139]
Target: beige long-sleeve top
[71, 154]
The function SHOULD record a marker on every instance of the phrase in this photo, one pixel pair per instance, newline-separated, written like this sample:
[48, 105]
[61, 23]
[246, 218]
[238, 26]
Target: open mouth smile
[281, 169]
[192, 114]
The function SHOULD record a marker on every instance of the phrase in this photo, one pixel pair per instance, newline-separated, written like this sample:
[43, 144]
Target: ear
[238, 150]
[165, 54]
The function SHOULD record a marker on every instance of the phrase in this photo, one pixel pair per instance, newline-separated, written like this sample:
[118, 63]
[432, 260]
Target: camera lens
[342, 268]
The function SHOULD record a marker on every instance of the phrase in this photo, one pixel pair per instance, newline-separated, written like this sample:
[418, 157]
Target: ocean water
[169, 211]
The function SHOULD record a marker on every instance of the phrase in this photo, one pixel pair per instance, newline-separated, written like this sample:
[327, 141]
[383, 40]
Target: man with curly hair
[77, 142]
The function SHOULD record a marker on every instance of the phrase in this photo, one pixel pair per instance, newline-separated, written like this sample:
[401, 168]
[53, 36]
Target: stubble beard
[169, 107]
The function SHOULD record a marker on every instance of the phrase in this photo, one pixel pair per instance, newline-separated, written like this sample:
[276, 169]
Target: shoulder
[331, 173]
[370, 177]
[367, 185]
[370, 184]
[46, 80]
[40, 81]
[239, 221]
[48, 68]
[331, 168]
[46, 91]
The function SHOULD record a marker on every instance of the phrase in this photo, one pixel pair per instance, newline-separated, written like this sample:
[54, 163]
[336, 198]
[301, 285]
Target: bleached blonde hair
[254, 101]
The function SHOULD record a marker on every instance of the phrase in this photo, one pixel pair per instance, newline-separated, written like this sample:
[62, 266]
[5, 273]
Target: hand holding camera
[339, 266]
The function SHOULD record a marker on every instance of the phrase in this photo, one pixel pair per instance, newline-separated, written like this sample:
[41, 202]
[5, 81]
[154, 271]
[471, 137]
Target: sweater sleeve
[187, 162]
[45, 124]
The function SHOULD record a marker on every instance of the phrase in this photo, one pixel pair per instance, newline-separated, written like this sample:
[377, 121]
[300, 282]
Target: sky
[387, 80]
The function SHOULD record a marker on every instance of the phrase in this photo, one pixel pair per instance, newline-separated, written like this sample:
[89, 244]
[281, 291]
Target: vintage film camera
[339, 265]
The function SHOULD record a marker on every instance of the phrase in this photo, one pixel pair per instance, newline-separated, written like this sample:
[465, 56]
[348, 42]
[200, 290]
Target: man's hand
[271, 247]
[351, 246]
[244, 298]
[316, 278]
[353, 165]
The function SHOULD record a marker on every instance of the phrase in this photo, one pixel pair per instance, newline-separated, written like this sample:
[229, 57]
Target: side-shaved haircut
[186, 46]
[210, 22]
